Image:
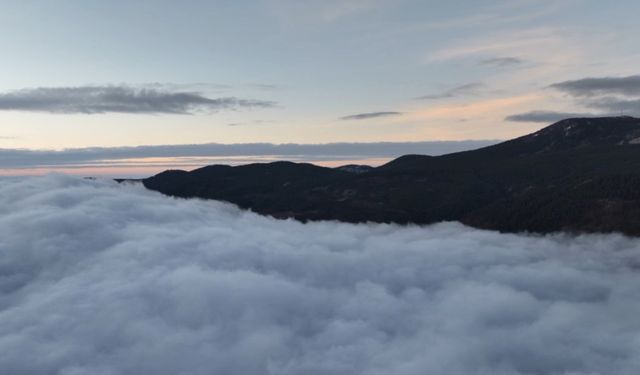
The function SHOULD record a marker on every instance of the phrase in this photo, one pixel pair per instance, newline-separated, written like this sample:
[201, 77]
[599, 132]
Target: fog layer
[100, 278]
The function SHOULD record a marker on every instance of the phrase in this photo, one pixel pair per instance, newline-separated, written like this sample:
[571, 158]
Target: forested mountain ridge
[579, 175]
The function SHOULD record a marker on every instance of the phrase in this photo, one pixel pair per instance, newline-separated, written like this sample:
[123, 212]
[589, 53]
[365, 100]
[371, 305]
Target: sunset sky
[88, 73]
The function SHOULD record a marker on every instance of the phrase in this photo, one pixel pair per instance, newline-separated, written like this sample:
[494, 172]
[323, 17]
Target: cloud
[106, 279]
[254, 122]
[119, 99]
[370, 115]
[525, 43]
[186, 156]
[545, 116]
[589, 87]
[462, 90]
[502, 62]
[608, 95]
[616, 105]
[194, 86]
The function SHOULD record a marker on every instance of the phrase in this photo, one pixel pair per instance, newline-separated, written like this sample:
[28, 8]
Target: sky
[106, 278]
[84, 74]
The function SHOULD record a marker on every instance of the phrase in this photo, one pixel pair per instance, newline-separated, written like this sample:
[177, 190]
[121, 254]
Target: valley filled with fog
[101, 278]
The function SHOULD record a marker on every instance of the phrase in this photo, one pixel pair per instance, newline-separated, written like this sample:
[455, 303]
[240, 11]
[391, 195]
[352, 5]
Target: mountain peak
[598, 131]
[573, 133]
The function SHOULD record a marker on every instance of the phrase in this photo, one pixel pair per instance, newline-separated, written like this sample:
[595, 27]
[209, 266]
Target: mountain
[577, 175]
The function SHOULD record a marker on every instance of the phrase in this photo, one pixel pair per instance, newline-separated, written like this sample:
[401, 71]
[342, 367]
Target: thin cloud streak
[370, 115]
[526, 43]
[119, 99]
[616, 105]
[608, 95]
[546, 116]
[590, 87]
[16, 158]
[502, 62]
[472, 88]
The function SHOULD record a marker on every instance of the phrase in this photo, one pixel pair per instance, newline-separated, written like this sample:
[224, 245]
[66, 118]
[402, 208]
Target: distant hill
[578, 175]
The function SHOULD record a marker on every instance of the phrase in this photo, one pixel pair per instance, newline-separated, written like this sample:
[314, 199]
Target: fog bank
[100, 278]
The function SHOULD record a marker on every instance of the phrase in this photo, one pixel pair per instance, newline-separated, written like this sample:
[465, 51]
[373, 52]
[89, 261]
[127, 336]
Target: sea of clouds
[99, 278]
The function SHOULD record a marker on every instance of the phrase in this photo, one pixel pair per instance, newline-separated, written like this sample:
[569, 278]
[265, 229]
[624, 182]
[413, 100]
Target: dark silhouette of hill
[579, 175]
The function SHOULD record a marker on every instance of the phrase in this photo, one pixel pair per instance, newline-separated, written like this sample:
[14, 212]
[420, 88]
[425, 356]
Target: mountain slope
[575, 175]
